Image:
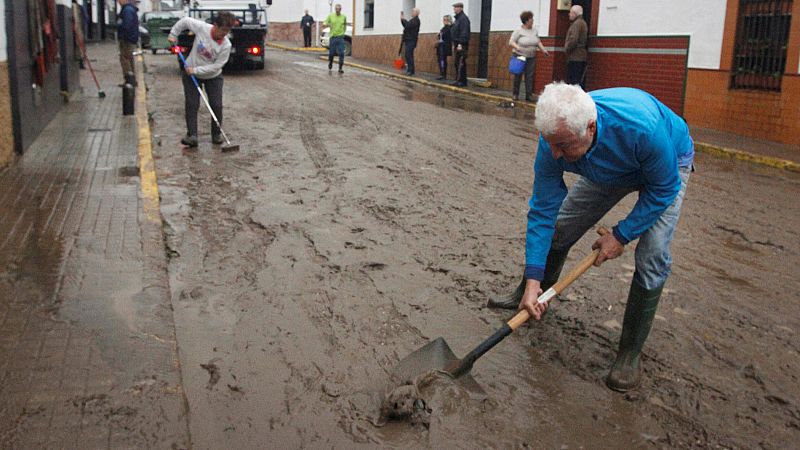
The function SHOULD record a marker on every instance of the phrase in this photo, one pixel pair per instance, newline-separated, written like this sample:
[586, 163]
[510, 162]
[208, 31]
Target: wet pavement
[364, 217]
[87, 345]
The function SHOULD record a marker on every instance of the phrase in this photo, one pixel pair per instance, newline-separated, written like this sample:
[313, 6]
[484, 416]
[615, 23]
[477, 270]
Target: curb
[296, 49]
[445, 87]
[776, 163]
[147, 169]
[740, 155]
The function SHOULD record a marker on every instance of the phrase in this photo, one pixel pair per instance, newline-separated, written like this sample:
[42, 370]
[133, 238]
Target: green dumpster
[158, 24]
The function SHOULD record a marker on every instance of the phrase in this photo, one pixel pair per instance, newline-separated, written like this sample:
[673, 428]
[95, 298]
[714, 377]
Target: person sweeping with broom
[210, 52]
[620, 140]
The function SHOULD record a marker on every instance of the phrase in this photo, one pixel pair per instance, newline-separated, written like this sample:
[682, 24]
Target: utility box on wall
[564, 5]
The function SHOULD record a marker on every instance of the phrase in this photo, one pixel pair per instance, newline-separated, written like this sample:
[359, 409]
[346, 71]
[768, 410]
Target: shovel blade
[433, 356]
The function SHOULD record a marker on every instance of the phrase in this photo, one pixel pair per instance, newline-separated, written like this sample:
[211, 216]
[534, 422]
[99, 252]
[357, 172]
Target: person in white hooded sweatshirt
[210, 52]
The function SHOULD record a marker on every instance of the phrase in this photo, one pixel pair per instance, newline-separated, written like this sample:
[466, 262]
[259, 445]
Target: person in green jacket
[338, 25]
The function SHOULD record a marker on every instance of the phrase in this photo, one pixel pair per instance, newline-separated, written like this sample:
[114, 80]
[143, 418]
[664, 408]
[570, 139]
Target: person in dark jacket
[460, 35]
[410, 37]
[127, 34]
[575, 47]
[306, 23]
[444, 46]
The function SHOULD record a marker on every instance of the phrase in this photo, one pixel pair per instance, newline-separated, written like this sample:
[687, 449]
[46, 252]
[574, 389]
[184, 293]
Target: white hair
[577, 9]
[566, 104]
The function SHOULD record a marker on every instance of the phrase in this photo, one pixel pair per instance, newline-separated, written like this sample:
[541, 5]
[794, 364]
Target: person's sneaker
[217, 139]
[341, 70]
[439, 78]
[189, 140]
[330, 66]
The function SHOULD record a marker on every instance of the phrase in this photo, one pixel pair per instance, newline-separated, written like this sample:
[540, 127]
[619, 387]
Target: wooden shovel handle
[563, 283]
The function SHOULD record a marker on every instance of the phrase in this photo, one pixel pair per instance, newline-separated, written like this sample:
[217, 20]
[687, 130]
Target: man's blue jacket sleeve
[659, 164]
[549, 192]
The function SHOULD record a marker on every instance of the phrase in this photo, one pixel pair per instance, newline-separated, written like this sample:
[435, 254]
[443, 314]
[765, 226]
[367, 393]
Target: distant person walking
[575, 47]
[460, 35]
[306, 22]
[338, 25]
[444, 46]
[524, 42]
[410, 37]
[128, 34]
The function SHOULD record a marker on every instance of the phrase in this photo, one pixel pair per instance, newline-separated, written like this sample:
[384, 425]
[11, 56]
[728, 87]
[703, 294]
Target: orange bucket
[399, 63]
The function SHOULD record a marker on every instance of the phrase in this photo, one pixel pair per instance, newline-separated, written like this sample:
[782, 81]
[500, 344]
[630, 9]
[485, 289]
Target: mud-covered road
[364, 217]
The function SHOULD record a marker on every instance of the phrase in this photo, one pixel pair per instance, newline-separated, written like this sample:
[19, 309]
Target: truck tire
[348, 48]
[154, 50]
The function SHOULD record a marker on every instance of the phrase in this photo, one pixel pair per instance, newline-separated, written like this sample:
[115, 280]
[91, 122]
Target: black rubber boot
[626, 372]
[553, 266]
[189, 140]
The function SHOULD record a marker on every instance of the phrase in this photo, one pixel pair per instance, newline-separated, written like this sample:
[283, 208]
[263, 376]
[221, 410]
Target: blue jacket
[639, 143]
[128, 24]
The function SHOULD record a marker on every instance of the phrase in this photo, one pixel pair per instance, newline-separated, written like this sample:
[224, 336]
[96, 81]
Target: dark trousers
[409, 47]
[441, 56]
[213, 88]
[530, 68]
[461, 64]
[575, 71]
[307, 36]
[336, 46]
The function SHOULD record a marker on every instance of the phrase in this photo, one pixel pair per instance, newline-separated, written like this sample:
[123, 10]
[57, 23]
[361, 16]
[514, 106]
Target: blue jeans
[410, 46]
[336, 47]
[587, 202]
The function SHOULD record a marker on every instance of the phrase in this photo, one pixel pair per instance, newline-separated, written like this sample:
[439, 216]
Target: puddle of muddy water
[456, 102]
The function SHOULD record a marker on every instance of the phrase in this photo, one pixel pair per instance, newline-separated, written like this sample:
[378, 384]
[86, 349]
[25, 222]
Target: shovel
[438, 356]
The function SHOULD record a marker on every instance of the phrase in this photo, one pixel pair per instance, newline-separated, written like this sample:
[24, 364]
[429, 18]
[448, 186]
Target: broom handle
[205, 99]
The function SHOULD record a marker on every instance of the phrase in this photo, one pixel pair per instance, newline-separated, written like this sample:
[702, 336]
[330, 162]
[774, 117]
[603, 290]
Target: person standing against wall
[305, 23]
[575, 47]
[460, 35]
[338, 25]
[444, 46]
[410, 37]
[127, 35]
[524, 42]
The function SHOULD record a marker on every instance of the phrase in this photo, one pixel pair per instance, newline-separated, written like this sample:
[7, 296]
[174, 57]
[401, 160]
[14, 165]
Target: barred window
[762, 33]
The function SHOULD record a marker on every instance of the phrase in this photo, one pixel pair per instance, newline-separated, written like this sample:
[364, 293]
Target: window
[762, 33]
[369, 14]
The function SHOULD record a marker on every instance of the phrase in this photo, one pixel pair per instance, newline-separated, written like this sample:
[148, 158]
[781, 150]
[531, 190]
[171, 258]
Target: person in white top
[524, 43]
[210, 52]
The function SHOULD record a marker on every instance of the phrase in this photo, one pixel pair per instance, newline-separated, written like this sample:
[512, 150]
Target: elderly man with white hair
[620, 140]
[575, 46]
[410, 37]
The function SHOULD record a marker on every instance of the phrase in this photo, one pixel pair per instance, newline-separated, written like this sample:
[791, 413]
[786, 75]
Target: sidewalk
[721, 143]
[88, 357]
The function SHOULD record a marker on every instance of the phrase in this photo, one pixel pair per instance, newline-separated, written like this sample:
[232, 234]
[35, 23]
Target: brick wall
[383, 49]
[773, 116]
[290, 32]
[654, 64]
[643, 62]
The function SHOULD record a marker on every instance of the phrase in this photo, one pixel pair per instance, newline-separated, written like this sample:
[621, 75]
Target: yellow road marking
[147, 169]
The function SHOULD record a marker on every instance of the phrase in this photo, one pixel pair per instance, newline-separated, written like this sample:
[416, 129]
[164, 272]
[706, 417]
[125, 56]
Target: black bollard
[128, 99]
[130, 78]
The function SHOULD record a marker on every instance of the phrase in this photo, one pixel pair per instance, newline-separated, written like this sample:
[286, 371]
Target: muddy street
[364, 217]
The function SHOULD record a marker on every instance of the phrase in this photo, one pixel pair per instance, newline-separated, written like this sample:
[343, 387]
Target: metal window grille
[762, 34]
[369, 14]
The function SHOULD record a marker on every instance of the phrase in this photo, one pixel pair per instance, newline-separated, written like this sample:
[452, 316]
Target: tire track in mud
[313, 143]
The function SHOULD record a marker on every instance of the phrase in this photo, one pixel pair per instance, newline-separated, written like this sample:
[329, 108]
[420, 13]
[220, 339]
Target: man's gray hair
[566, 104]
[577, 9]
